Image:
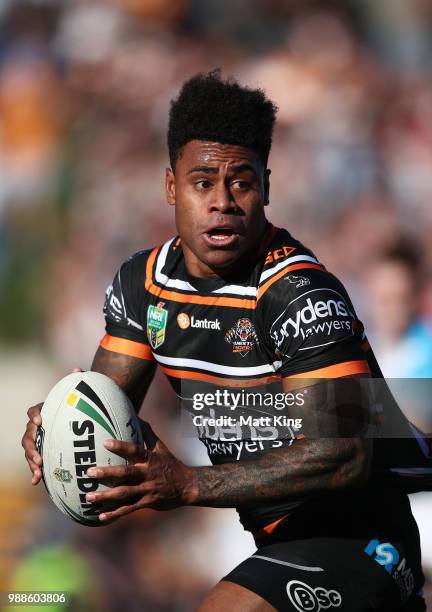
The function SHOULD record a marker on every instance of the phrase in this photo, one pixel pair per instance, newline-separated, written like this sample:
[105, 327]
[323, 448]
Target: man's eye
[241, 185]
[203, 184]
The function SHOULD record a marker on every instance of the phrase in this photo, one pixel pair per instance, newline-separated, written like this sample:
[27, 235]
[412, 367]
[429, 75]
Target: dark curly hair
[209, 108]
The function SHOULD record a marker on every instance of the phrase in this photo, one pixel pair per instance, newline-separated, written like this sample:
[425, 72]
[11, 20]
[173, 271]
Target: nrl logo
[62, 475]
[157, 317]
[298, 281]
[242, 336]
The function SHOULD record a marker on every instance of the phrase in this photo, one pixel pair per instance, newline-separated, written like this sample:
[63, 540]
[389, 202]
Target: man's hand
[28, 440]
[28, 443]
[133, 375]
[151, 479]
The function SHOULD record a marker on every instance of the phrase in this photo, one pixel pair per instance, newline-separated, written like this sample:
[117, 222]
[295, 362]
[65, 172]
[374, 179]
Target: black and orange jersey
[285, 316]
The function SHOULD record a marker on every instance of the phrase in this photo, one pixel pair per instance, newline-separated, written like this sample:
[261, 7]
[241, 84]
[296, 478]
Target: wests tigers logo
[242, 336]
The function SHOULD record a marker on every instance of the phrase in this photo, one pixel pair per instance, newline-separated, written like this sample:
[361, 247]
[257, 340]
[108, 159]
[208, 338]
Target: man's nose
[223, 200]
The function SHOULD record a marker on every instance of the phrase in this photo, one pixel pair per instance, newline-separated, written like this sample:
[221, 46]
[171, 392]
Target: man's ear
[170, 186]
[267, 187]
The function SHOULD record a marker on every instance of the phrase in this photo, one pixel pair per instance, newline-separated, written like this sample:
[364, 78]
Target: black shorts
[345, 562]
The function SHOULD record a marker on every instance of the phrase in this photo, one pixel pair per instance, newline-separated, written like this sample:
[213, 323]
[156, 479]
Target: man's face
[219, 192]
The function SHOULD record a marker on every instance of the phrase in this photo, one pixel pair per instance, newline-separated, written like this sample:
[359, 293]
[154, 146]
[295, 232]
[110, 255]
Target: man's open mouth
[220, 236]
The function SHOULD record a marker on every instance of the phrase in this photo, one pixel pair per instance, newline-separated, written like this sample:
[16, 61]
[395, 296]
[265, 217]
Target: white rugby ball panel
[81, 411]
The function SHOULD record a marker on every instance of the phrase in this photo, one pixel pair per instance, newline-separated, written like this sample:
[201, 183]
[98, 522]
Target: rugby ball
[80, 412]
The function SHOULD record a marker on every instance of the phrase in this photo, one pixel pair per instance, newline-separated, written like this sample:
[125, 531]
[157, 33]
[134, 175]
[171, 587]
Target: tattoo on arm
[305, 468]
[334, 455]
[133, 375]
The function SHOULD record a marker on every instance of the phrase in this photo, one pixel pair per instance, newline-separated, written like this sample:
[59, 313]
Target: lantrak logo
[308, 599]
[184, 322]
[304, 317]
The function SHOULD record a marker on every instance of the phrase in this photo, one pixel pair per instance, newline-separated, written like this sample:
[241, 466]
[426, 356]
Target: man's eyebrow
[204, 169]
[234, 169]
[245, 167]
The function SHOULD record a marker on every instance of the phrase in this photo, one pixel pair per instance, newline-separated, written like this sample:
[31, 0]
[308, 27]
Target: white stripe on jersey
[163, 279]
[237, 290]
[175, 283]
[308, 348]
[134, 324]
[283, 264]
[216, 367]
[305, 568]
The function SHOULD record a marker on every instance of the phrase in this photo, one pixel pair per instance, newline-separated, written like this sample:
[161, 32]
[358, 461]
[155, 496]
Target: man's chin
[223, 260]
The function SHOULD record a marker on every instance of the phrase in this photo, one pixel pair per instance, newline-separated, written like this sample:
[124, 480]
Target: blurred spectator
[402, 342]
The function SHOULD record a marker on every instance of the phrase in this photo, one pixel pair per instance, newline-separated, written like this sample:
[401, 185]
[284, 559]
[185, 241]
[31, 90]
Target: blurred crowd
[85, 87]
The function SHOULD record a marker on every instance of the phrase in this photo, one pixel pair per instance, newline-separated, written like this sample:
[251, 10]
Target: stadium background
[84, 94]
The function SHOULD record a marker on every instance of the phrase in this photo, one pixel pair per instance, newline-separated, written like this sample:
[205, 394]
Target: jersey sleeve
[311, 327]
[124, 308]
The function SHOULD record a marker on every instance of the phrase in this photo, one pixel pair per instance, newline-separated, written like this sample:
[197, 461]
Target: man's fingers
[116, 471]
[35, 470]
[128, 450]
[117, 493]
[34, 414]
[33, 466]
[28, 442]
[115, 514]
[37, 459]
[37, 477]
[33, 458]
[32, 455]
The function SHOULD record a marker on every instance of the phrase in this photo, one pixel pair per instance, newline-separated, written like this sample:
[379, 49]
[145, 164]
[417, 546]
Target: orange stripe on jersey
[188, 298]
[150, 263]
[218, 380]
[277, 276]
[126, 347]
[347, 368]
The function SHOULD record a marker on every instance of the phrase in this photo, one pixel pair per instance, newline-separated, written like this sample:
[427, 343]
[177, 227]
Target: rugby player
[235, 303]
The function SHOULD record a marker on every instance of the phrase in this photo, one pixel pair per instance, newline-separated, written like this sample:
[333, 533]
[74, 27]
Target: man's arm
[133, 375]
[307, 467]
[332, 456]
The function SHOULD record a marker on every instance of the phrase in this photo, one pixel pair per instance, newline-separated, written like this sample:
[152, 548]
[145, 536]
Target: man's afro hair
[209, 108]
